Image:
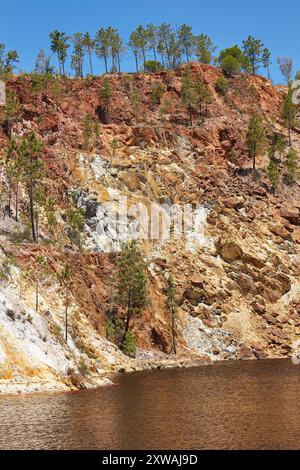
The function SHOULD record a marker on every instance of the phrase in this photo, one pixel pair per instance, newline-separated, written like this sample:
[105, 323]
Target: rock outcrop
[238, 286]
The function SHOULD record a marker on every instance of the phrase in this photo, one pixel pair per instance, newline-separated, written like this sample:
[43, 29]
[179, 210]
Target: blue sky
[25, 25]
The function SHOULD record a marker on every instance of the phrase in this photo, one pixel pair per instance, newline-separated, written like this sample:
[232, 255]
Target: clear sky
[25, 24]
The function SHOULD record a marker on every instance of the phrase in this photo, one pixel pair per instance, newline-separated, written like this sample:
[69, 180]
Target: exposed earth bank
[238, 286]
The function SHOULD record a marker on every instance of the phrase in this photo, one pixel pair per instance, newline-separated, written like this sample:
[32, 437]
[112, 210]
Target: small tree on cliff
[172, 307]
[132, 291]
[106, 94]
[266, 60]
[76, 223]
[255, 138]
[289, 112]
[273, 173]
[31, 150]
[38, 272]
[11, 112]
[50, 212]
[253, 50]
[291, 166]
[188, 97]
[65, 278]
[202, 96]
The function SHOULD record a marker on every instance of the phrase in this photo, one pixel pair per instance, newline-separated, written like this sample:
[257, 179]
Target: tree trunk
[32, 215]
[37, 296]
[105, 62]
[190, 114]
[119, 63]
[66, 316]
[9, 200]
[154, 52]
[174, 332]
[136, 63]
[187, 55]
[59, 65]
[17, 202]
[37, 226]
[91, 63]
[144, 58]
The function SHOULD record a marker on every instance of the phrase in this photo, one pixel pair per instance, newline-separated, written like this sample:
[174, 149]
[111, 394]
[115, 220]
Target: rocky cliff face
[238, 284]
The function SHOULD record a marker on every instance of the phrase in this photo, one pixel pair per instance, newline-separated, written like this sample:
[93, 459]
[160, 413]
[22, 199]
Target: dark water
[249, 405]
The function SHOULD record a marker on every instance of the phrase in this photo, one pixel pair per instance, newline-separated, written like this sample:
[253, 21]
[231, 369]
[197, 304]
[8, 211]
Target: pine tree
[253, 49]
[106, 94]
[202, 95]
[291, 166]
[288, 113]
[142, 40]
[31, 152]
[11, 112]
[266, 60]
[186, 41]
[132, 291]
[103, 46]
[65, 278]
[11, 60]
[59, 45]
[286, 68]
[152, 39]
[204, 48]
[255, 138]
[165, 35]
[14, 172]
[114, 145]
[76, 223]
[116, 49]
[188, 97]
[77, 57]
[50, 212]
[273, 173]
[42, 64]
[37, 274]
[11, 171]
[172, 307]
[134, 45]
[89, 46]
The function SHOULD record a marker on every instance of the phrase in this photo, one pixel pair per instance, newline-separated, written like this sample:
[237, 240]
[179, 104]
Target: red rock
[290, 213]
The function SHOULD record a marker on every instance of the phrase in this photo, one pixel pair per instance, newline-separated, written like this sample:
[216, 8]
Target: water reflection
[225, 406]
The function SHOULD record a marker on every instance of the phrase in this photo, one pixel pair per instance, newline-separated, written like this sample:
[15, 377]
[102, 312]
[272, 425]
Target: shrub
[157, 93]
[129, 346]
[152, 66]
[230, 66]
[83, 367]
[111, 331]
[11, 314]
[221, 85]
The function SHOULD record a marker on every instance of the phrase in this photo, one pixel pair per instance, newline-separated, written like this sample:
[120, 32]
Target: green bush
[129, 346]
[222, 85]
[152, 66]
[111, 331]
[157, 93]
[230, 66]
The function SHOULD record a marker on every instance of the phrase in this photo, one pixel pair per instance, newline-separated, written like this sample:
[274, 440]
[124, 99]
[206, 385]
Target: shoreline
[66, 385]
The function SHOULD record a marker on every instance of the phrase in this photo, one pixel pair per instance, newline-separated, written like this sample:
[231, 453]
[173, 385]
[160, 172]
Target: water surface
[238, 405]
